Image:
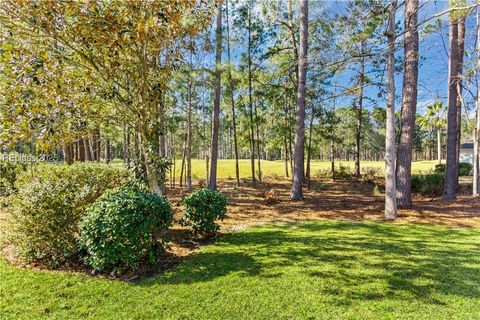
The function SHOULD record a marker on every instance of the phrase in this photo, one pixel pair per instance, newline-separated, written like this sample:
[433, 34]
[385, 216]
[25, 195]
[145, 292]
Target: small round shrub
[464, 169]
[428, 184]
[47, 206]
[440, 168]
[202, 208]
[124, 227]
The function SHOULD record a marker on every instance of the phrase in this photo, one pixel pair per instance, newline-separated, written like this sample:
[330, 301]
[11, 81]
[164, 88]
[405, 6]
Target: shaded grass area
[226, 167]
[322, 270]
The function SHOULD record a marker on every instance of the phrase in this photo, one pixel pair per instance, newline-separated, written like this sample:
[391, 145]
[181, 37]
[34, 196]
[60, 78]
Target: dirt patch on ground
[268, 202]
[352, 200]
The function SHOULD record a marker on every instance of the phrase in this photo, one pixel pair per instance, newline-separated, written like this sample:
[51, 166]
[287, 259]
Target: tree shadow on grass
[349, 261]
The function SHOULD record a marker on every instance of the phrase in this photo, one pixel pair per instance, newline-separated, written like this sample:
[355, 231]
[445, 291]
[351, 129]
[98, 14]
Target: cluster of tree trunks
[88, 148]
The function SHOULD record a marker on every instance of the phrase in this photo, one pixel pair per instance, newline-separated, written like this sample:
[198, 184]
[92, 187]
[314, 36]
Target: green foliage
[343, 173]
[202, 208]
[124, 227]
[428, 184]
[319, 186]
[440, 168]
[9, 172]
[48, 205]
[464, 169]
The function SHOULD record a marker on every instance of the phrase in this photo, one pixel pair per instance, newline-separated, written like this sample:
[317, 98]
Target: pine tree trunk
[476, 131]
[461, 52]
[390, 183]
[232, 101]
[309, 150]
[108, 155]
[250, 98]
[409, 105]
[67, 153]
[298, 169]
[258, 144]
[216, 103]
[358, 131]
[451, 172]
[439, 145]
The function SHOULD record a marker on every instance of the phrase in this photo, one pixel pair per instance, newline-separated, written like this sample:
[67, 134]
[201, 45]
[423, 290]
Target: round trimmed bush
[202, 208]
[124, 227]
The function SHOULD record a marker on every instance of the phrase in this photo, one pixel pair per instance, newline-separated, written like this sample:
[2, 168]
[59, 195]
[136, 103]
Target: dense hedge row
[48, 205]
[64, 216]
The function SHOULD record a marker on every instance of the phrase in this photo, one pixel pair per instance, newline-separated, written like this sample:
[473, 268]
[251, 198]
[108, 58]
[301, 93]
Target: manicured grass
[226, 168]
[321, 270]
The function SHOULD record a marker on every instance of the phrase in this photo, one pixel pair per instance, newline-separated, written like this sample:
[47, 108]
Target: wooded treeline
[157, 81]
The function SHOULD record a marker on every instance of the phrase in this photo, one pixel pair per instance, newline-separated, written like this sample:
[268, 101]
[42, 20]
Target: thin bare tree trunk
[216, 103]
[390, 183]
[189, 128]
[476, 161]
[286, 157]
[182, 168]
[439, 145]
[258, 144]
[298, 169]
[250, 98]
[461, 52]
[309, 151]
[358, 132]
[232, 100]
[451, 172]
[67, 153]
[409, 105]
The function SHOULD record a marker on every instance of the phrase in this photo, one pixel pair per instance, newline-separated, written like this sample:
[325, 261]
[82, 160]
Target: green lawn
[321, 270]
[226, 168]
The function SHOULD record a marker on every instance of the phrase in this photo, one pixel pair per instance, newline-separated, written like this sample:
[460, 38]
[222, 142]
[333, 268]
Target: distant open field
[226, 168]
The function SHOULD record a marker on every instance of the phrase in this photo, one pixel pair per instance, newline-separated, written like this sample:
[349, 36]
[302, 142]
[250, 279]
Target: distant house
[466, 153]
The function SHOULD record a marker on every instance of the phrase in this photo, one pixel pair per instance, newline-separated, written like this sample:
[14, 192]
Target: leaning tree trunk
[409, 105]
[390, 184]
[298, 172]
[451, 172]
[216, 103]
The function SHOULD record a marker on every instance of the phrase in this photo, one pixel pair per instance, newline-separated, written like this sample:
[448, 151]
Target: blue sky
[433, 48]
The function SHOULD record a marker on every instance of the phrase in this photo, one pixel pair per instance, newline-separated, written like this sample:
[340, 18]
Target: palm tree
[434, 119]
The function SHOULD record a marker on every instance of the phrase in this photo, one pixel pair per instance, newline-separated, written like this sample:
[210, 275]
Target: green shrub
[343, 173]
[48, 205]
[124, 227]
[428, 184]
[439, 168]
[9, 171]
[319, 186]
[464, 169]
[202, 208]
